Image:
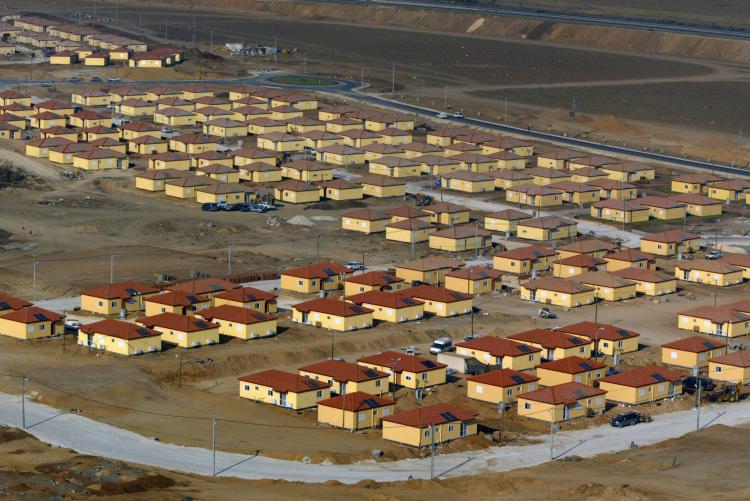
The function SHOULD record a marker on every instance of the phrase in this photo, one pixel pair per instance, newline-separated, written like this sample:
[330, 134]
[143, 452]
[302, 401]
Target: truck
[441, 345]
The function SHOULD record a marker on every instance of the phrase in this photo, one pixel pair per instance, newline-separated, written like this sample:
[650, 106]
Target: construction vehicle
[728, 392]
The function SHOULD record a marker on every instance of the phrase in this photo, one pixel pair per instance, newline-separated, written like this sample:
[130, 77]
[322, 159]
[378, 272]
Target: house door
[464, 429]
[599, 212]
[532, 295]
[90, 340]
[566, 413]
[720, 330]
[305, 317]
[282, 399]
[685, 274]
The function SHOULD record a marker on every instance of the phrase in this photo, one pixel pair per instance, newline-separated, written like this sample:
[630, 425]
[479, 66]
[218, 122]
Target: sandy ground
[675, 469]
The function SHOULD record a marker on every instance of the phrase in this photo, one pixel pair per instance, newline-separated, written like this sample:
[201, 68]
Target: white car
[72, 324]
[442, 114]
[113, 79]
[355, 265]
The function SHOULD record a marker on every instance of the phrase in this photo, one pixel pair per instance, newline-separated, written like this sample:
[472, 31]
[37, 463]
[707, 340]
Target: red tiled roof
[572, 365]
[671, 236]
[120, 290]
[339, 370]
[566, 393]
[499, 347]
[247, 294]
[581, 261]
[503, 378]
[318, 270]
[176, 298]
[564, 285]
[423, 417]
[474, 273]
[735, 359]
[357, 401]
[630, 255]
[717, 314]
[32, 315]
[437, 294]
[400, 362]
[588, 246]
[204, 286]
[284, 382]
[394, 300]
[12, 303]
[643, 376]
[695, 344]
[374, 278]
[592, 330]
[643, 275]
[334, 307]
[236, 314]
[175, 321]
[119, 329]
[549, 339]
[528, 252]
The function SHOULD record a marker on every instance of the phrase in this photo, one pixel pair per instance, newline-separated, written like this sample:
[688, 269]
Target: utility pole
[552, 434]
[445, 97]
[572, 114]
[333, 340]
[111, 268]
[432, 451]
[165, 28]
[211, 38]
[229, 259]
[739, 147]
[476, 240]
[23, 402]
[193, 30]
[275, 48]
[362, 77]
[393, 79]
[33, 280]
[506, 110]
[213, 443]
[698, 413]
[317, 246]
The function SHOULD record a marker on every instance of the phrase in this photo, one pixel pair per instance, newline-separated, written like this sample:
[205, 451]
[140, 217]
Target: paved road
[577, 18]
[87, 436]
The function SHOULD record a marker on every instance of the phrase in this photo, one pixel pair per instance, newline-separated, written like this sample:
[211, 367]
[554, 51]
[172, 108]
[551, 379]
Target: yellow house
[8, 97]
[407, 212]
[108, 143]
[296, 192]
[620, 211]
[47, 119]
[629, 172]
[523, 260]
[738, 260]
[447, 213]
[373, 281]
[591, 247]
[231, 193]
[409, 231]
[346, 377]
[136, 129]
[505, 221]
[444, 136]
[546, 228]
[576, 193]
[335, 111]
[260, 172]
[176, 117]
[64, 154]
[698, 183]
[91, 97]
[355, 411]
[558, 158]
[614, 190]
[507, 160]
[242, 323]
[649, 282]
[185, 187]
[571, 369]
[263, 125]
[429, 270]
[557, 291]
[31, 322]
[671, 242]
[300, 125]
[121, 338]
[341, 124]
[340, 189]
[318, 139]
[220, 172]
[100, 158]
[211, 158]
[474, 280]
[607, 286]
[281, 142]
[609, 340]
[520, 147]
[468, 182]
[148, 145]
[364, 221]
[111, 299]
[248, 297]
[555, 345]
[193, 143]
[440, 301]
[180, 302]
[209, 113]
[434, 424]
[534, 195]
[500, 352]
[340, 154]
[435, 165]
[88, 119]
[121, 93]
[577, 265]
[715, 321]
[414, 150]
[284, 389]
[69, 133]
[500, 386]
[307, 170]
[381, 186]
[10, 303]
[474, 162]
[170, 160]
[699, 205]
[55, 106]
[182, 330]
[460, 238]
[704, 271]
[386, 120]
[251, 155]
[642, 385]
[586, 174]
[389, 306]
[96, 59]
[629, 258]
[359, 138]
[135, 107]
[692, 351]
[332, 314]
[543, 177]
[209, 287]
[664, 208]
[732, 368]
[408, 371]
[394, 167]
[313, 278]
[155, 180]
[561, 403]
[9, 131]
[380, 150]
[225, 128]
[395, 137]
[730, 189]
[249, 112]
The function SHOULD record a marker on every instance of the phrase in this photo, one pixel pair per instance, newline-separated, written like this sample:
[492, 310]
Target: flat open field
[675, 469]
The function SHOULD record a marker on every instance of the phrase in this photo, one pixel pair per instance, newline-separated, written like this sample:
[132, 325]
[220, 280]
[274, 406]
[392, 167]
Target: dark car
[235, 208]
[210, 207]
[691, 383]
[626, 419]
[96, 79]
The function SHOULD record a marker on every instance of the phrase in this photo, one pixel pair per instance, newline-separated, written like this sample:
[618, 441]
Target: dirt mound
[143, 484]
[13, 177]
[344, 204]
[12, 434]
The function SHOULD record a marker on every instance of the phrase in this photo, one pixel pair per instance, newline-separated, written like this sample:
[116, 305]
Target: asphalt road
[86, 436]
[576, 18]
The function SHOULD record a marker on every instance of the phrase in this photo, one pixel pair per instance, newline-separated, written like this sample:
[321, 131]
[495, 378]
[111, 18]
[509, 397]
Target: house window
[407, 377]
[101, 303]
[509, 392]
[451, 428]
[718, 368]
[427, 432]
[361, 416]
[247, 387]
[673, 354]
[114, 304]
[425, 376]
[527, 405]
[270, 393]
[43, 326]
[299, 282]
[377, 383]
[319, 393]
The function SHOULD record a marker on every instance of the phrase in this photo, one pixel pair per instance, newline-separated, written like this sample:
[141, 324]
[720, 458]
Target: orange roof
[528, 252]
[423, 417]
[735, 359]
[549, 339]
[375, 279]
[475, 273]
[119, 329]
[717, 314]
[318, 270]
[32, 315]
[712, 266]
[437, 294]
[357, 401]
[237, 314]
[566, 393]
[432, 264]
[643, 376]
[204, 286]
[630, 255]
[588, 246]
[572, 365]
[247, 294]
[563, 285]
[175, 321]
[284, 382]
[394, 300]
[176, 298]
[12, 303]
[120, 290]
[671, 236]
[339, 370]
[509, 215]
[581, 261]
[503, 378]
[499, 347]
[695, 344]
[593, 330]
[643, 275]
[330, 306]
[399, 362]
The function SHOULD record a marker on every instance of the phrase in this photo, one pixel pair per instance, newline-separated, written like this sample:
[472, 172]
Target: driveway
[87, 436]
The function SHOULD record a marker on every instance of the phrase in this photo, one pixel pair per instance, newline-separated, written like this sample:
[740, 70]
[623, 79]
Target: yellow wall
[36, 330]
[479, 286]
[189, 339]
[614, 293]
[246, 331]
[415, 437]
[551, 378]
[412, 380]
[559, 298]
[496, 394]
[359, 420]
[521, 266]
[384, 191]
[396, 315]
[456, 244]
[335, 322]
[543, 234]
[548, 412]
[441, 309]
[533, 200]
[729, 373]
[309, 286]
[297, 197]
[657, 288]
[294, 400]
[408, 236]
[706, 326]
[121, 346]
[363, 226]
[642, 395]
[373, 386]
[468, 186]
[688, 360]
[524, 362]
[709, 278]
[663, 249]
